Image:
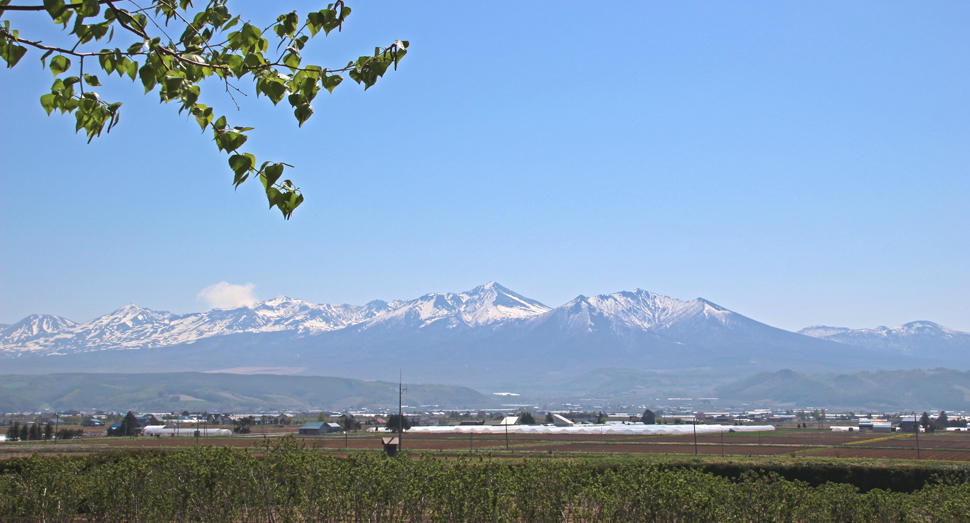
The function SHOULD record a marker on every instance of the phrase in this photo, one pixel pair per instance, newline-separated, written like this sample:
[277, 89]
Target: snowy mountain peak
[278, 301]
[35, 326]
[486, 304]
[490, 308]
[131, 315]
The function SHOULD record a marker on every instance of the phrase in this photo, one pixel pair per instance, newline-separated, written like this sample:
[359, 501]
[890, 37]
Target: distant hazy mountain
[914, 338]
[919, 390]
[217, 393]
[486, 336]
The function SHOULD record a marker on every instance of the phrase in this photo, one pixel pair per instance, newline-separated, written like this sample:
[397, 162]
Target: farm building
[313, 428]
[316, 428]
[882, 426]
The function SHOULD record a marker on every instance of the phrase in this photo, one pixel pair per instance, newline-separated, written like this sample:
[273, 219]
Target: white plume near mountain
[917, 337]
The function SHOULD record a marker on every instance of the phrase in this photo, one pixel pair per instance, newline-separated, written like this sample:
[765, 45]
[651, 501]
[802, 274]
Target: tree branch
[61, 50]
[42, 8]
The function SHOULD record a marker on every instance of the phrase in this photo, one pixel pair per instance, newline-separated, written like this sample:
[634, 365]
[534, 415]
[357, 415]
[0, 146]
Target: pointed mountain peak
[35, 325]
[277, 301]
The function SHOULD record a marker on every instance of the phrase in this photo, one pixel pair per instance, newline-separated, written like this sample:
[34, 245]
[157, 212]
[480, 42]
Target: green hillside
[217, 392]
[937, 389]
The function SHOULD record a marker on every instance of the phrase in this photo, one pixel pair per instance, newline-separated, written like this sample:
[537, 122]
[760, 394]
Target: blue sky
[801, 164]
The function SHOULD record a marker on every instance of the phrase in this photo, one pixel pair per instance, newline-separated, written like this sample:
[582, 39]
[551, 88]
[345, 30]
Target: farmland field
[790, 443]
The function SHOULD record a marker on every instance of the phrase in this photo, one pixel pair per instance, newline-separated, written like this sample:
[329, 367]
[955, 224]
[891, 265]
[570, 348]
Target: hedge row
[286, 482]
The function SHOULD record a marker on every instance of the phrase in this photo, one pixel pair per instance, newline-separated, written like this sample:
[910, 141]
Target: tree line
[34, 432]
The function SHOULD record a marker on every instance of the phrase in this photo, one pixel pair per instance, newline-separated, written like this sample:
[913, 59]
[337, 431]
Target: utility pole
[57, 422]
[400, 411]
[694, 423]
[917, 435]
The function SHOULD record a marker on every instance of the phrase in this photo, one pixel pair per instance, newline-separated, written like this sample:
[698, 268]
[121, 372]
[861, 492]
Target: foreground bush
[286, 482]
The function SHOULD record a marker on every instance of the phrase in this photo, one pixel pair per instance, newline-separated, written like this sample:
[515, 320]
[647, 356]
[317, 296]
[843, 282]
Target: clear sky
[799, 163]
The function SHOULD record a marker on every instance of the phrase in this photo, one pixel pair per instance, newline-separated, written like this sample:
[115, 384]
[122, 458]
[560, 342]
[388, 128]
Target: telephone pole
[694, 423]
[917, 434]
[400, 411]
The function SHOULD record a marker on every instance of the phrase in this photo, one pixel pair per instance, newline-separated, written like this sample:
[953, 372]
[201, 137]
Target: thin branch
[150, 17]
[42, 8]
[61, 50]
[187, 23]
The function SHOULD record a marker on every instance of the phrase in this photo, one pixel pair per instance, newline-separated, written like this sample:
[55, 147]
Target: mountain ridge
[489, 334]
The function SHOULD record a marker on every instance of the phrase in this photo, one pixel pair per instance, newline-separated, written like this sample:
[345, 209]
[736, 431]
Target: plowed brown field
[950, 446]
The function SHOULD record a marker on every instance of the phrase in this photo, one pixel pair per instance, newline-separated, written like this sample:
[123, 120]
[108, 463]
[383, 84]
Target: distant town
[73, 424]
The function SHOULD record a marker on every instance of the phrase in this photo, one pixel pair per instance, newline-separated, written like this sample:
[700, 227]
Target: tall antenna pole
[400, 412]
[694, 423]
[917, 434]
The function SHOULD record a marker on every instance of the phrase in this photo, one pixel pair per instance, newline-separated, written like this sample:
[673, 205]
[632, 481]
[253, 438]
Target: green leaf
[203, 115]
[292, 59]
[147, 75]
[312, 71]
[303, 113]
[273, 89]
[132, 70]
[270, 174]
[107, 62]
[332, 81]
[47, 102]
[64, 18]
[241, 165]
[13, 53]
[309, 90]
[59, 64]
[229, 141]
[273, 195]
[91, 80]
[88, 8]
[43, 59]
[236, 63]
[287, 202]
[55, 8]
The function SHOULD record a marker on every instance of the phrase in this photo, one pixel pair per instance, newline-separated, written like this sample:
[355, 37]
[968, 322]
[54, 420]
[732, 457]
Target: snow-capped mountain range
[133, 327]
[907, 339]
[487, 329]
